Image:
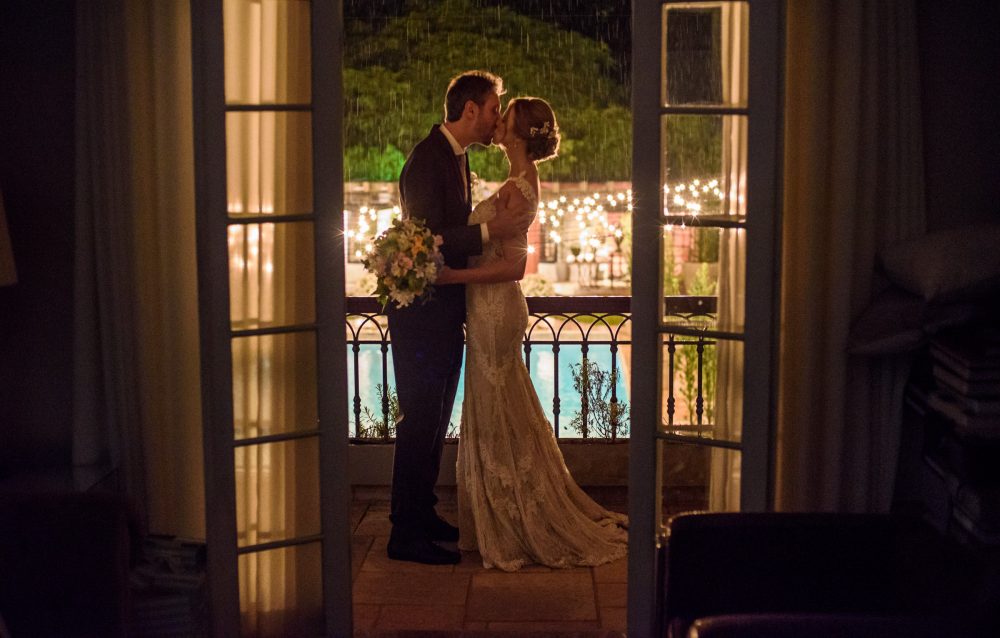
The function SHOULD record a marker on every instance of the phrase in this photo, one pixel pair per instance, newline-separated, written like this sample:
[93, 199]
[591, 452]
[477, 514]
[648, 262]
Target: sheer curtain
[724, 492]
[853, 183]
[166, 326]
[106, 404]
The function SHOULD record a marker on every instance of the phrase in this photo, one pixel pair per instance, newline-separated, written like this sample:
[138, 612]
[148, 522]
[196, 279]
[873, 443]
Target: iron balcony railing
[560, 326]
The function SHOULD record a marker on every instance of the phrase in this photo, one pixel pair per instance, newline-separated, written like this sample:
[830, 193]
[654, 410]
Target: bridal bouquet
[405, 260]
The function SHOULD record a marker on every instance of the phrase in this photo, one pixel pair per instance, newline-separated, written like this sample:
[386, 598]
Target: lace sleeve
[526, 189]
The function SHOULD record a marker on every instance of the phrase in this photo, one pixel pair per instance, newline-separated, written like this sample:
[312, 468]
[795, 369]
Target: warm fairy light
[693, 198]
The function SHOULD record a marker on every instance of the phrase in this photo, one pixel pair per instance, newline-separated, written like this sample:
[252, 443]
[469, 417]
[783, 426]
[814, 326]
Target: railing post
[700, 400]
[542, 308]
[585, 390]
[555, 383]
[671, 401]
[356, 349]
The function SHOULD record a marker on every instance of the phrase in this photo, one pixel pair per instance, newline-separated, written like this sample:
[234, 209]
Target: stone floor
[393, 598]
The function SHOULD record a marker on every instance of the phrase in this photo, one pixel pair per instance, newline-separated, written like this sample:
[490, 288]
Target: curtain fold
[106, 405]
[853, 180]
[166, 319]
[724, 483]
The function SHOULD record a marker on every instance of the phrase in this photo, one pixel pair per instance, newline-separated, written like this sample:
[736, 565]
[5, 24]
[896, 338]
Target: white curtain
[106, 403]
[724, 483]
[853, 183]
[166, 319]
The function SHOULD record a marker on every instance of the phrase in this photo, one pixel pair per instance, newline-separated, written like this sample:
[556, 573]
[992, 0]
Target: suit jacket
[430, 188]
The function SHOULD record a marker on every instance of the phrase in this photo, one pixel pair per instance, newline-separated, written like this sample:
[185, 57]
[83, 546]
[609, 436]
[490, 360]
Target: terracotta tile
[571, 625]
[612, 594]
[359, 550]
[471, 562]
[378, 560]
[410, 588]
[365, 616]
[375, 523]
[614, 618]
[555, 596]
[538, 569]
[421, 617]
[357, 513]
[616, 572]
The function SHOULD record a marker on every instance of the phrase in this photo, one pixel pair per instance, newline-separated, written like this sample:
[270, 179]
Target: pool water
[541, 365]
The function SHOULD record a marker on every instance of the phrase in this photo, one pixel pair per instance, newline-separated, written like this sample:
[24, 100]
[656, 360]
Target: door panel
[270, 245]
[706, 153]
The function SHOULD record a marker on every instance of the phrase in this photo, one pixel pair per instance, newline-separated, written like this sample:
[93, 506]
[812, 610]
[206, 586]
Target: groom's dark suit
[427, 338]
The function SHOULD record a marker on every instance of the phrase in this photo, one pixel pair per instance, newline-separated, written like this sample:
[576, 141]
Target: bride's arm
[515, 253]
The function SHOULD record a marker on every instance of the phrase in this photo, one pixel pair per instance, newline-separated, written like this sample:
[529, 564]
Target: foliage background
[397, 69]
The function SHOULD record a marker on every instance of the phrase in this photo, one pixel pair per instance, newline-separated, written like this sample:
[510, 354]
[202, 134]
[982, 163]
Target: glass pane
[271, 275]
[705, 54]
[704, 167]
[684, 472]
[267, 51]
[269, 163]
[697, 478]
[704, 277]
[702, 394]
[281, 592]
[277, 491]
[274, 384]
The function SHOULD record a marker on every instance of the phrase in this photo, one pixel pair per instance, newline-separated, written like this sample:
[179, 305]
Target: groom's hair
[471, 85]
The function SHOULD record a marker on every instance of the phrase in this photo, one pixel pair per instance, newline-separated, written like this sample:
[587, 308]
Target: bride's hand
[445, 276]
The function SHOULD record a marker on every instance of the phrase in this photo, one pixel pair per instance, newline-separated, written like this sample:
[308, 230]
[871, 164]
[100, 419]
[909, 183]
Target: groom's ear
[471, 109]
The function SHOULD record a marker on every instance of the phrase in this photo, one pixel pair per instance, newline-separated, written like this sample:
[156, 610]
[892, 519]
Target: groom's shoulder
[430, 144]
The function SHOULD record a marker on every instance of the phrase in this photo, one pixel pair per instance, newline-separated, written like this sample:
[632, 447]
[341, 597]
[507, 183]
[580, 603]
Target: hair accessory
[545, 130]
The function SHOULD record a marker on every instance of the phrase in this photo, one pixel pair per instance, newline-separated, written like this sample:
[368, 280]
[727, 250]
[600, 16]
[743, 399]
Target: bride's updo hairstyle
[535, 123]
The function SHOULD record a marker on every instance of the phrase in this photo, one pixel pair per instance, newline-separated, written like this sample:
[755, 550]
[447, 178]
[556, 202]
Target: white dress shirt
[459, 151]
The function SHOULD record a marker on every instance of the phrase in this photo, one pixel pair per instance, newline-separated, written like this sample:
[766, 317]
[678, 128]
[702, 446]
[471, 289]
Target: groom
[427, 339]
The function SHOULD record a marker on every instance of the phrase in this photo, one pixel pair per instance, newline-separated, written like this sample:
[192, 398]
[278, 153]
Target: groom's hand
[510, 222]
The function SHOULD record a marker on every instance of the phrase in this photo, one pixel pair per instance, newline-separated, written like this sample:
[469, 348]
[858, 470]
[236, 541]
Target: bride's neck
[520, 164]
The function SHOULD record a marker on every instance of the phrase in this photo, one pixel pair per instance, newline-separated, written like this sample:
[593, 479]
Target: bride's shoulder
[519, 187]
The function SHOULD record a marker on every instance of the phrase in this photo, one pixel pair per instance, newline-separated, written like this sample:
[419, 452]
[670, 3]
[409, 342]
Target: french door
[269, 198]
[705, 176]
[269, 195]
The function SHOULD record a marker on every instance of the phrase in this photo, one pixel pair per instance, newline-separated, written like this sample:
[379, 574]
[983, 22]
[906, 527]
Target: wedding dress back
[517, 502]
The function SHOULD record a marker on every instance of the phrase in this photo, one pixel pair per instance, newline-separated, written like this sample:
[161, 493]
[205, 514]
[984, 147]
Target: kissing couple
[517, 503]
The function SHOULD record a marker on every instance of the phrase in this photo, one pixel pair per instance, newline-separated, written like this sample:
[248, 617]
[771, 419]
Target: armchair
[784, 574]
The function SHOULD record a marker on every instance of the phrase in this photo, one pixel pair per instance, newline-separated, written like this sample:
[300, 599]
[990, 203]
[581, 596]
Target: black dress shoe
[438, 529]
[421, 550]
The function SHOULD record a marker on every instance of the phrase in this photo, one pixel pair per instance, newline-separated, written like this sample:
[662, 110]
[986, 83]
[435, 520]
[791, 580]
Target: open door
[706, 93]
[269, 198]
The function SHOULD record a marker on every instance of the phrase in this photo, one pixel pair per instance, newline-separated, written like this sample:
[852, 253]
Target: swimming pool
[541, 365]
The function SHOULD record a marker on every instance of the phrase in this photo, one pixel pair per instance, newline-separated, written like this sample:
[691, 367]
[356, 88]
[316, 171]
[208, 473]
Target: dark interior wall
[36, 175]
[960, 85]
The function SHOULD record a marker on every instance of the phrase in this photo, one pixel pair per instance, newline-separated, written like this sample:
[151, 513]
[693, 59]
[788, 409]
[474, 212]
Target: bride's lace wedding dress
[517, 503]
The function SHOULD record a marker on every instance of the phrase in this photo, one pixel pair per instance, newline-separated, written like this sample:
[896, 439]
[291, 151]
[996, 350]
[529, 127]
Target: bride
[517, 503]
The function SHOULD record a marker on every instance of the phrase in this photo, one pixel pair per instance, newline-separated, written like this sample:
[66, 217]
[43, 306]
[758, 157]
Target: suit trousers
[428, 364]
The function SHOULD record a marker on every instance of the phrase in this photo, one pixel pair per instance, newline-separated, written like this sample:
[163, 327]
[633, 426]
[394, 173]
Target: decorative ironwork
[554, 323]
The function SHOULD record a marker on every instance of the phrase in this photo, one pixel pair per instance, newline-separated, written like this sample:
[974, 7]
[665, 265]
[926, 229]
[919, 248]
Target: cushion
[898, 321]
[952, 264]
